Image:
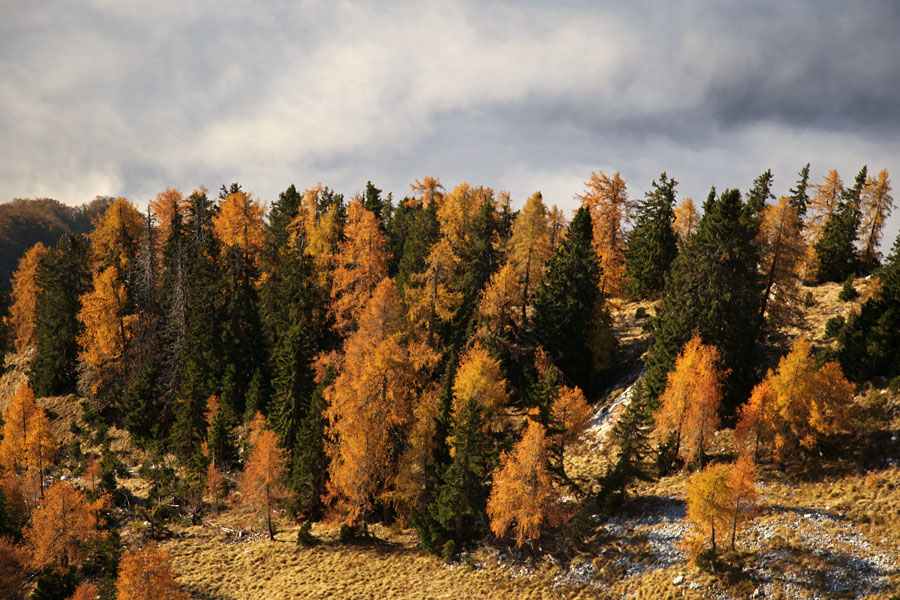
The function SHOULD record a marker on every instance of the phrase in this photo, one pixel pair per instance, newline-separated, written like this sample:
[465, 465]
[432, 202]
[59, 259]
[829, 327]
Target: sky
[127, 98]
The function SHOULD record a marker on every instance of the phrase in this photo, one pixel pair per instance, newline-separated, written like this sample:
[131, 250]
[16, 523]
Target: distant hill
[25, 222]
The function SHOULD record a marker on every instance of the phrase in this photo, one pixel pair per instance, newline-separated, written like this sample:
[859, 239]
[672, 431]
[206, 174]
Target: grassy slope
[839, 519]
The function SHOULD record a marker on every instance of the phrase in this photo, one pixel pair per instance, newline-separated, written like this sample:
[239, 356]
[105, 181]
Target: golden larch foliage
[40, 445]
[61, 529]
[261, 485]
[571, 413]
[147, 574]
[687, 219]
[215, 485]
[523, 496]
[480, 376]
[85, 591]
[807, 403]
[426, 191]
[360, 265]
[744, 495]
[12, 569]
[876, 205]
[164, 207]
[529, 246]
[371, 401]
[106, 328]
[24, 297]
[709, 508]
[116, 235]
[754, 418]
[457, 208]
[689, 405]
[556, 223]
[409, 482]
[498, 310]
[17, 422]
[821, 205]
[239, 222]
[607, 199]
[430, 295]
[782, 255]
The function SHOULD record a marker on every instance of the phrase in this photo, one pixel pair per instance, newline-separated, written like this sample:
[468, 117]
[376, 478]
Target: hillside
[828, 532]
[25, 222]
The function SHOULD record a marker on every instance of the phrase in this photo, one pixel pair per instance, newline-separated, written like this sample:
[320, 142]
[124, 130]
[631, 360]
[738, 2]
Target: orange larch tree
[85, 591]
[876, 204]
[498, 310]
[430, 295]
[17, 421]
[40, 445]
[12, 569]
[360, 265]
[607, 199]
[523, 495]
[480, 378]
[744, 495]
[529, 247]
[239, 222]
[164, 208]
[456, 210]
[107, 329]
[24, 297]
[116, 236]
[688, 412]
[261, 485]
[687, 219]
[372, 401]
[215, 484]
[805, 403]
[821, 205]
[709, 509]
[755, 417]
[147, 574]
[61, 529]
[782, 252]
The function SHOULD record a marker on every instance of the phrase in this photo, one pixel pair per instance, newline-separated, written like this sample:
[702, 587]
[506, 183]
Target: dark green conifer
[652, 244]
[568, 306]
[62, 277]
[835, 249]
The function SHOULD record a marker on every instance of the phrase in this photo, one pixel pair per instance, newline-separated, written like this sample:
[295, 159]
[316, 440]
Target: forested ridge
[430, 363]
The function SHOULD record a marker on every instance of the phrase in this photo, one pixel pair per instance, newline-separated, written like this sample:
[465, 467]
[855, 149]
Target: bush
[640, 313]
[305, 536]
[833, 327]
[848, 292]
[346, 534]
[808, 300]
[448, 550]
[894, 385]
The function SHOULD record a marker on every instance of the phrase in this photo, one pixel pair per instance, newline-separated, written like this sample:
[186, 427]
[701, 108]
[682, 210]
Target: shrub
[833, 326]
[848, 292]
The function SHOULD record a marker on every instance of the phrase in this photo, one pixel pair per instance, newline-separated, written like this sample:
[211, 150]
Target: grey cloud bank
[127, 98]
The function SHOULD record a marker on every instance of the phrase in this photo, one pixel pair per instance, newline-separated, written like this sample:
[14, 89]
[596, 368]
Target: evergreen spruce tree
[280, 216]
[799, 197]
[221, 442]
[62, 277]
[414, 230]
[631, 434]
[835, 249]
[712, 289]
[652, 244]
[309, 466]
[141, 404]
[372, 201]
[869, 342]
[568, 306]
[293, 385]
[462, 496]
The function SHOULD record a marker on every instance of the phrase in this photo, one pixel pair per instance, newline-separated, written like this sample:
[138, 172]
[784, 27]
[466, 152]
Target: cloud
[127, 98]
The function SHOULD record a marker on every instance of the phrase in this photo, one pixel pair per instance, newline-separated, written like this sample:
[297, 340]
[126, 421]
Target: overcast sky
[126, 98]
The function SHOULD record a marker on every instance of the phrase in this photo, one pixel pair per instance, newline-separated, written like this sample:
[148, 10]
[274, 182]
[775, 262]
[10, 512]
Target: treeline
[429, 360]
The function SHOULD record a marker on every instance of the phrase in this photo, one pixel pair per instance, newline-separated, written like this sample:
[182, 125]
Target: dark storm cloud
[115, 98]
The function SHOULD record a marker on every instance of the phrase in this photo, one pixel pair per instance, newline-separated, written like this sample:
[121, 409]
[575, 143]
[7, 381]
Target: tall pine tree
[835, 249]
[652, 245]
[62, 277]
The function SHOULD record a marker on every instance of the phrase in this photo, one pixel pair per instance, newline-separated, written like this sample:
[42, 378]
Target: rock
[678, 579]
[757, 593]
